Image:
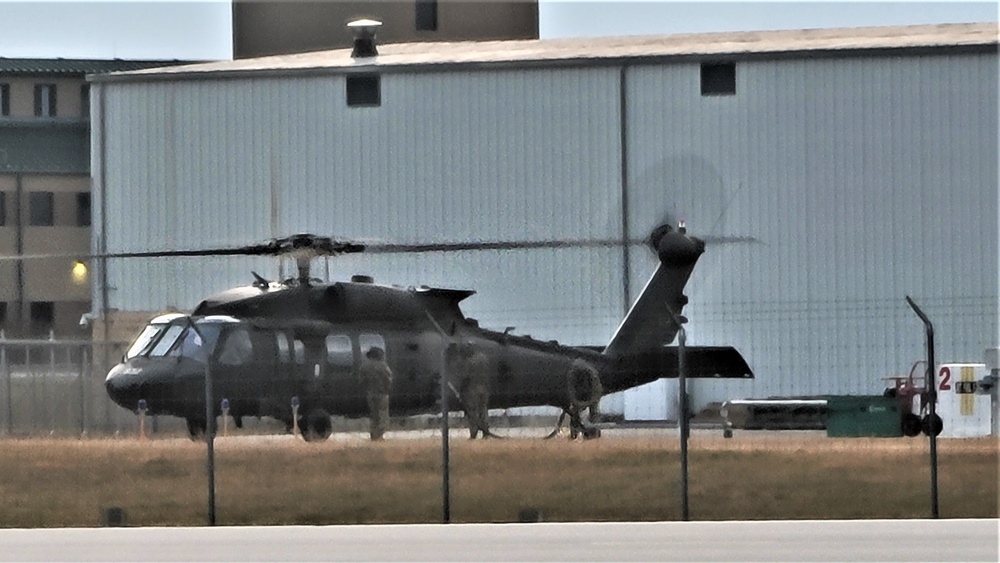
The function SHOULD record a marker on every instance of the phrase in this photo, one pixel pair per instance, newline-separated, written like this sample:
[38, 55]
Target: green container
[849, 416]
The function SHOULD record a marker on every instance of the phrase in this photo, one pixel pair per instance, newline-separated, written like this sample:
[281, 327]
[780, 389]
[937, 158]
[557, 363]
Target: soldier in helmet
[585, 392]
[376, 378]
[474, 389]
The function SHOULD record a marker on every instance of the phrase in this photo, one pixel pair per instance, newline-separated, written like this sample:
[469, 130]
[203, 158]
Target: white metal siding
[864, 179]
[446, 157]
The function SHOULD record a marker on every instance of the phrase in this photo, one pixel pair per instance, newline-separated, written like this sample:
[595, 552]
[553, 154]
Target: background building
[271, 27]
[862, 160]
[45, 190]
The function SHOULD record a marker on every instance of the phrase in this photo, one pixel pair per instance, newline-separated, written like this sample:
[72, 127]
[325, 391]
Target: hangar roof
[75, 67]
[600, 50]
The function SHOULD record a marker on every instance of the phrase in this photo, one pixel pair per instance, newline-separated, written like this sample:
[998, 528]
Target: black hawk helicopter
[272, 345]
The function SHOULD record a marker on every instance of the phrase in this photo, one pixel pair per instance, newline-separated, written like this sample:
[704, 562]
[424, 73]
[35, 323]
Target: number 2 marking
[945, 384]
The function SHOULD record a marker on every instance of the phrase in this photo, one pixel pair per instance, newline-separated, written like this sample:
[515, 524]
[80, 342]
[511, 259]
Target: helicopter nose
[123, 386]
[128, 384]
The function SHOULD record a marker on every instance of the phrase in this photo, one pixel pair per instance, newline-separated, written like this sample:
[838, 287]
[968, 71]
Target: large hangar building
[863, 163]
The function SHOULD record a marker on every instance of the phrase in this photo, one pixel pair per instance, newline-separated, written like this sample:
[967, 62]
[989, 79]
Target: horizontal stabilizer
[704, 362]
[707, 361]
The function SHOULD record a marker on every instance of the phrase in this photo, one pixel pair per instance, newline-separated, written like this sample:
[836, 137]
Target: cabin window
[284, 352]
[194, 345]
[300, 352]
[369, 341]
[338, 350]
[237, 349]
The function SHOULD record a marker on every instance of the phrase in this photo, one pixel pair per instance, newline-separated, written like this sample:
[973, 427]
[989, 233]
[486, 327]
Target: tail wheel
[931, 424]
[316, 426]
[911, 424]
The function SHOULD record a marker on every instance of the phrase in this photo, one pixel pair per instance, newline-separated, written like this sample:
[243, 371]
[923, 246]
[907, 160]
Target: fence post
[46, 391]
[6, 383]
[84, 372]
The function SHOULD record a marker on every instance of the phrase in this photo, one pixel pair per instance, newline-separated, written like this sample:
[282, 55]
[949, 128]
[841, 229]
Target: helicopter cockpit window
[300, 352]
[145, 340]
[236, 348]
[167, 341]
[368, 341]
[338, 350]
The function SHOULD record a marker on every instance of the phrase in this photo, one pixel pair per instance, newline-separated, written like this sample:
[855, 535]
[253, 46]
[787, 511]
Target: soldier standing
[585, 391]
[376, 377]
[475, 390]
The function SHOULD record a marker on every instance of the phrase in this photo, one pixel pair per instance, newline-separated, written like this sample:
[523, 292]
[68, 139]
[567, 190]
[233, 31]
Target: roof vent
[360, 278]
[364, 37]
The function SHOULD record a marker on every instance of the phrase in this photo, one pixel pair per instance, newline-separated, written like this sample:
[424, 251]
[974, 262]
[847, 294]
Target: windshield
[179, 338]
[167, 341]
[145, 339]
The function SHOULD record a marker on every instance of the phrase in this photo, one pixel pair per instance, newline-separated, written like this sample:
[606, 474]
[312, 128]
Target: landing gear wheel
[591, 433]
[316, 426]
[196, 428]
[911, 424]
[931, 424]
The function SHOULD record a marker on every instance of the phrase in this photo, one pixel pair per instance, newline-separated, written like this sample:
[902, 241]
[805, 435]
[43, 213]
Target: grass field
[279, 480]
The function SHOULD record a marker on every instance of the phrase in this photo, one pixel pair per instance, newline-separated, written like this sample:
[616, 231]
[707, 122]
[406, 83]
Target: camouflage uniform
[376, 377]
[475, 390]
[585, 392]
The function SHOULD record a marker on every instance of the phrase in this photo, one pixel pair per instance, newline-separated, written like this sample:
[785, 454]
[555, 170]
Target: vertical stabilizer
[650, 323]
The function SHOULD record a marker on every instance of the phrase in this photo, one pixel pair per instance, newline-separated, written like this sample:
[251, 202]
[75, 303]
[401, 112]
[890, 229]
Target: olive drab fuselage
[267, 346]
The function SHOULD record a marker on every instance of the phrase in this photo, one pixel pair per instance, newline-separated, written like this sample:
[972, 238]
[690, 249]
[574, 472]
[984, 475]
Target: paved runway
[855, 540]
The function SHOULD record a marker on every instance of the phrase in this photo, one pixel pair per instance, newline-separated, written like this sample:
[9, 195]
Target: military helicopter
[292, 348]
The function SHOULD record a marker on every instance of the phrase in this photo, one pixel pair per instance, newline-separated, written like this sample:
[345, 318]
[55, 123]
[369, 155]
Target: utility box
[964, 410]
[850, 416]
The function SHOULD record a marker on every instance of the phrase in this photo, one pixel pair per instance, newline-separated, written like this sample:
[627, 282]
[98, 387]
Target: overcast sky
[201, 29]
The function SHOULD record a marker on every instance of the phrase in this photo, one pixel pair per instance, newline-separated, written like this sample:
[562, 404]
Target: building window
[3, 209]
[40, 209]
[718, 79]
[4, 99]
[43, 316]
[45, 100]
[427, 15]
[85, 100]
[364, 90]
[3, 313]
[83, 209]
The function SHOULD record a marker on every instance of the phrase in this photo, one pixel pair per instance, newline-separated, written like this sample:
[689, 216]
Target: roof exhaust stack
[364, 37]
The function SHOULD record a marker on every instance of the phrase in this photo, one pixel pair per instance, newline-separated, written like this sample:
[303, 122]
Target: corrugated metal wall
[864, 180]
[446, 157]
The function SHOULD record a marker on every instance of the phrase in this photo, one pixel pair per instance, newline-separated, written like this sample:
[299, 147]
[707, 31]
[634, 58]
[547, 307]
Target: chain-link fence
[56, 387]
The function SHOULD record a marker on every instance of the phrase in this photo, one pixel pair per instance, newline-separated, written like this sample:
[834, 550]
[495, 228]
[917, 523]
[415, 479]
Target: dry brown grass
[50, 483]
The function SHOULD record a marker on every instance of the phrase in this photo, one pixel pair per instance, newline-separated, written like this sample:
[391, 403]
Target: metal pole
[84, 372]
[6, 382]
[684, 431]
[49, 402]
[682, 423]
[210, 440]
[445, 447]
[931, 391]
[209, 427]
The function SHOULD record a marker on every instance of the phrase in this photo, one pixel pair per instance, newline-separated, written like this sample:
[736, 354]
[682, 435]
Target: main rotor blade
[386, 248]
[320, 246]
